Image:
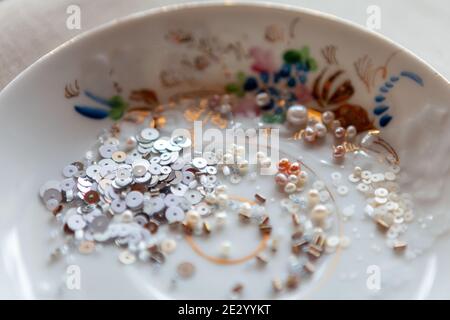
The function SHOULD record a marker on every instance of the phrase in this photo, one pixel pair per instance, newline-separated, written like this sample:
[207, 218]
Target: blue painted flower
[115, 107]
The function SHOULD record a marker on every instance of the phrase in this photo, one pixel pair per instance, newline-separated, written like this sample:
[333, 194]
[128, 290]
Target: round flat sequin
[179, 189]
[342, 190]
[118, 206]
[86, 247]
[134, 199]
[186, 269]
[106, 151]
[119, 156]
[366, 174]
[390, 176]
[157, 204]
[165, 170]
[99, 224]
[168, 246]
[76, 222]
[160, 145]
[235, 178]
[199, 163]
[91, 197]
[93, 171]
[188, 177]
[210, 158]
[126, 257]
[150, 134]
[336, 176]
[171, 200]
[174, 214]
[183, 142]
[139, 171]
[155, 169]
[68, 184]
[363, 187]
[70, 170]
[381, 192]
[193, 196]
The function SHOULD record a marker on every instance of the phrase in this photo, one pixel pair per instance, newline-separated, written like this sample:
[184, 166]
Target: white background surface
[31, 28]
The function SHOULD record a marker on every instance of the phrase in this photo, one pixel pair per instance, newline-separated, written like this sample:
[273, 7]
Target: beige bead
[290, 187]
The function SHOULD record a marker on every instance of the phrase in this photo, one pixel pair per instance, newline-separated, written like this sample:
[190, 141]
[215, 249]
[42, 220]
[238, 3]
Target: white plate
[182, 48]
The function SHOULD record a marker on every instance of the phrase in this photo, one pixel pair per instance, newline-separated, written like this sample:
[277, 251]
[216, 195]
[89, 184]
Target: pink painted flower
[263, 60]
[246, 107]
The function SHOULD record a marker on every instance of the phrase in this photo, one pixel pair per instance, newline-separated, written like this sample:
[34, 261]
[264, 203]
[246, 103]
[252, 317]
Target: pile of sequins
[389, 209]
[125, 197]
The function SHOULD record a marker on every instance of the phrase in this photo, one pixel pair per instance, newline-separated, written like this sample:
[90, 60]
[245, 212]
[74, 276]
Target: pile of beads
[290, 178]
[314, 129]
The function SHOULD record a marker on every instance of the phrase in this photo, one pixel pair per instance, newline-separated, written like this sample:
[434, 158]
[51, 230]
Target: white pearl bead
[290, 187]
[327, 117]
[245, 207]
[192, 217]
[222, 199]
[310, 134]
[319, 213]
[211, 198]
[225, 248]
[221, 219]
[339, 132]
[260, 155]
[335, 124]
[221, 188]
[297, 115]
[293, 178]
[351, 132]
[262, 99]
[320, 129]
[266, 163]
[313, 197]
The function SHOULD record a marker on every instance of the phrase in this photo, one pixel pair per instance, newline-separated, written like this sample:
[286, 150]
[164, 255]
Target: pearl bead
[130, 143]
[339, 152]
[225, 248]
[192, 217]
[290, 187]
[283, 164]
[313, 197]
[293, 178]
[222, 199]
[281, 179]
[245, 207]
[240, 150]
[320, 129]
[335, 124]
[351, 132]
[339, 132]
[297, 115]
[310, 134]
[221, 219]
[318, 214]
[294, 168]
[260, 155]
[327, 117]
[228, 158]
[211, 198]
[262, 99]
[225, 109]
[266, 163]
[221, 188]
